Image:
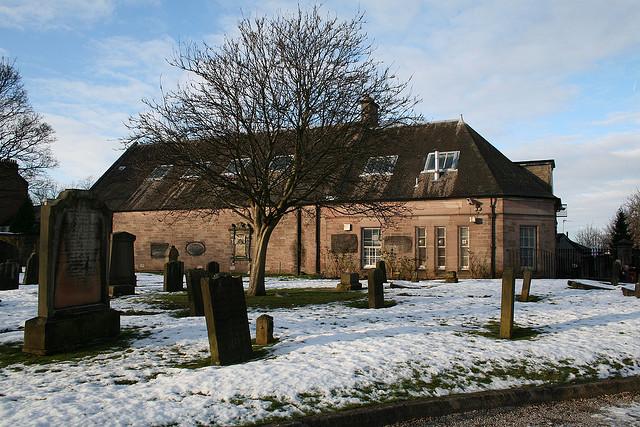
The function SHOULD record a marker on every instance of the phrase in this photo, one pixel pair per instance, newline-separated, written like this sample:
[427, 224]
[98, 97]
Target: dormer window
[380, 165]
[235, 166]
[281, 163]
[447, 160]
[190, 174]
[159, 172]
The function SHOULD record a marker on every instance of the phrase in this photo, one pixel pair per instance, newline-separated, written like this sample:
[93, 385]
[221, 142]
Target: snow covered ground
[328, 356]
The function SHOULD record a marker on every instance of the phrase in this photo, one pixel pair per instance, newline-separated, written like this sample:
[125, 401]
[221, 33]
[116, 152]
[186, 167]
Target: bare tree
[272, 120]
[24, 136]
[48, 188]
[592, 237]
[632, 206]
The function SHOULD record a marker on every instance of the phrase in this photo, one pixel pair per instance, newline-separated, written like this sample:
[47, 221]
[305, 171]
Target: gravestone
[349, 282]
[122, 275]
[264, 330]
[526, 285]
[213, 267]
[31, 271]
[506, 308]
[451, 277]
[173, 274]
[73, 303]
[616, 272]
[383, 268]
[173, 254]
[225, 311]
[637, 289]
[194, 290]
[9, 275]
[376, 290]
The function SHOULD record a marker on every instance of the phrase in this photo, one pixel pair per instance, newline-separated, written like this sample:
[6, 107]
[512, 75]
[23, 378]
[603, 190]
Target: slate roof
[483, 171]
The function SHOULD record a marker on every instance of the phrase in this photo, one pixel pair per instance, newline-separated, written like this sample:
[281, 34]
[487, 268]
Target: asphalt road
[611, 410]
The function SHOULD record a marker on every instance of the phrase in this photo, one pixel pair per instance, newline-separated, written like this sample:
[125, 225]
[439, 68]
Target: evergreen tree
[620, 229]
[25, 218]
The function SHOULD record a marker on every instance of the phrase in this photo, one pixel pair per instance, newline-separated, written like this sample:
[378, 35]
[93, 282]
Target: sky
[538, 79]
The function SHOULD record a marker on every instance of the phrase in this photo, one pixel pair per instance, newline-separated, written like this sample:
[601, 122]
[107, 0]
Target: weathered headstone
[194, 290]
[173, 276]
[506, 309]
[31, 271]
[349, 282]
[637, 289]
[526, 285]
[122, 274]
[383, 268]
[73, 303]
[9, 275]
[264, 330]
[173, 254]
[376, 290]
[213, 267]
[451, 277]
[225, 311]
[616, 272]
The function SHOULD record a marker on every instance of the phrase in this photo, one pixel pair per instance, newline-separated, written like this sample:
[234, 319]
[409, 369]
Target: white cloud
[620, 117]
[44, 14]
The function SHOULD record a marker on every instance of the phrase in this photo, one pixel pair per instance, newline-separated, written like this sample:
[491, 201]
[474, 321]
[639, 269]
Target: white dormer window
[281, 163]
[159, 172]
[190, 174]
[447, 160]
[380, 165]
[235, 166]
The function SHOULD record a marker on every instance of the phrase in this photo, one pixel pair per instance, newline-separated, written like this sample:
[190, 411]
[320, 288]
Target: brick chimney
[369, 110]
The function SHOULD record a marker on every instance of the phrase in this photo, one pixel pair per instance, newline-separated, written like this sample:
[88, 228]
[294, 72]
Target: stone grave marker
[173, 272]
[122, 275]
[526, 285]
[31, 271]
[506, 309]
[264, 330]
[225, 311]
[451, 277]
[376, 290]
[194, 290]
[73, 303]
[9, 275]
[349, 282]
[383, 268]
[213, 267]
[637, 289]
[173, 254]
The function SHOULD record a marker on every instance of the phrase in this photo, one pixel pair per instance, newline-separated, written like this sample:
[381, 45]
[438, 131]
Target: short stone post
[173, 273]
[376, 290]
[213, 267]
[506, 309]
[451, 277]
[382, 267]
[526, 285]
[264, 330]
[225, 310]
[194, 291]
[9, 275]
[31, 272]
[349, 282]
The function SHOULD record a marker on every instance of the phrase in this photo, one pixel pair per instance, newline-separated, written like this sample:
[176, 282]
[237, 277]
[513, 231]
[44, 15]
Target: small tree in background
[632, 206]
[591, 237]
[619, 229]
[273, 120]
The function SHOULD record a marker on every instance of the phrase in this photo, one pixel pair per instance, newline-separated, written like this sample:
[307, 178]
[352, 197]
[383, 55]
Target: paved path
[611, 410]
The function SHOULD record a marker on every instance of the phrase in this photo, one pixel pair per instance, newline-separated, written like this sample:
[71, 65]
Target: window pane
[448, 161]
[441, 247]
[371, 246]
[380, 165]
[464, 248]
[528, 246]
[431, 165]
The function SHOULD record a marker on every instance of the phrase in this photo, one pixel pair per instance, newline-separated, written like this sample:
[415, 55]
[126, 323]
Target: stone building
[13, 197]
[471, 210]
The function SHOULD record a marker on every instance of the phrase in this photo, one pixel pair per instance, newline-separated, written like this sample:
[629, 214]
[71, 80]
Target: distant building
[13, 195]
[472, 211]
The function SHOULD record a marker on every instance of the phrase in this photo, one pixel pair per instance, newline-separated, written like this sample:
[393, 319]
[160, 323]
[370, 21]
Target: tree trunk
[258, 261]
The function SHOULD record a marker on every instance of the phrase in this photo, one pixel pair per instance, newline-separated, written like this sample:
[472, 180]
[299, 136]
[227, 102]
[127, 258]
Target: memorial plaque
[344, 243]
[195, 248]
[398, 244]
[225, 311]
[159, 250]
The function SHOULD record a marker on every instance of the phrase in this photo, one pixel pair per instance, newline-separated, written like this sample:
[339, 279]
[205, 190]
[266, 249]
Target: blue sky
[538, 79]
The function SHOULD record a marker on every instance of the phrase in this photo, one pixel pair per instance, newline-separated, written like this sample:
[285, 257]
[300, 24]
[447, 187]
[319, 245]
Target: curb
[390, 413]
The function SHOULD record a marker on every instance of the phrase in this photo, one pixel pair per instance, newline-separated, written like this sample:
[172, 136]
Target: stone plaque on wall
[399, 244]
[158, 250]
[344, 243]
[195, 248]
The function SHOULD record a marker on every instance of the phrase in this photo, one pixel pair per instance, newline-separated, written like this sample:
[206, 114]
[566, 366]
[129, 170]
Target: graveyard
[330, 352]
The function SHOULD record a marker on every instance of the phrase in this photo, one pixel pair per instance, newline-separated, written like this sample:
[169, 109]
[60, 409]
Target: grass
[532, 298]
[492, 330]
[11, 354]
[259, 352]
[365, 304]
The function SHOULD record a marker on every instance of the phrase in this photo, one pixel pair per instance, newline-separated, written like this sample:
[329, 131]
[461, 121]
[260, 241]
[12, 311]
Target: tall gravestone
[225, 311]
[213, 267]
[122, 274]
[173, 272]
[506, 308]
[383, 268]
[73, 302]
[526, 285]
[376, 290]
[9, 275]
[31, 271]
[194, 290]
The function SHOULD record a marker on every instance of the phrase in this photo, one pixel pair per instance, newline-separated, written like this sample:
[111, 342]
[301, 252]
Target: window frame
[443, 247]
[393, 160]
[244, 162]
[454, 162]
[281, 169]
[421, 262]
[365, 249]
[531, 250]
[161, 171]
[462, 247]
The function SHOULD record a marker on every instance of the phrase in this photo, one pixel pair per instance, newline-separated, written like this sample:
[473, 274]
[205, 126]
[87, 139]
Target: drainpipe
[299, 241]
[493, 237]
[317, 239]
